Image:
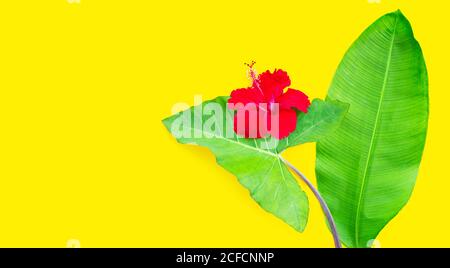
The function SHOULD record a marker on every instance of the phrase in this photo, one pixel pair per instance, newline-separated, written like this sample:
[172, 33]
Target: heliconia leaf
[322, 119]
[366, 169]
[256, 166]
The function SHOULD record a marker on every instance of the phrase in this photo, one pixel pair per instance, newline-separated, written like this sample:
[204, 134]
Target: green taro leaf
[255, 162]
[260, 170]
[367, 169]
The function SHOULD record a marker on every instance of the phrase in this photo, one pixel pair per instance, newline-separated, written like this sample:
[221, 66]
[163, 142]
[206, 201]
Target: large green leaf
[366, 170]
[255, 162]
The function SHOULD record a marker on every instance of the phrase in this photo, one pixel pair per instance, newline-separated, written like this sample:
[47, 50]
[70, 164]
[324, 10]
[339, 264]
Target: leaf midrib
[372, 139]
[239, 143]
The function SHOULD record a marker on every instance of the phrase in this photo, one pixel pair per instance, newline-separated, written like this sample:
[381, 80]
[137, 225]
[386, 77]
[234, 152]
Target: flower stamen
[254, 76]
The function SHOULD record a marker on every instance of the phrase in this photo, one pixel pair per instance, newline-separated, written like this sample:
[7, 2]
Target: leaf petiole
[323, 204]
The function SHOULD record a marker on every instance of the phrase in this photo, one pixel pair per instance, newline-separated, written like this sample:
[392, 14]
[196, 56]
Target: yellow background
[83, 89]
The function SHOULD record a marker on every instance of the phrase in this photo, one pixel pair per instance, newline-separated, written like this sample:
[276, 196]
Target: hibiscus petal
[251, 123]
[287, 122]
[245, 96]
[293, 98]
[273, 84]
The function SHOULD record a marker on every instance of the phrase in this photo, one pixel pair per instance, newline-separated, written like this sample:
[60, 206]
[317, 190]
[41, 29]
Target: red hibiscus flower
[264, 108]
